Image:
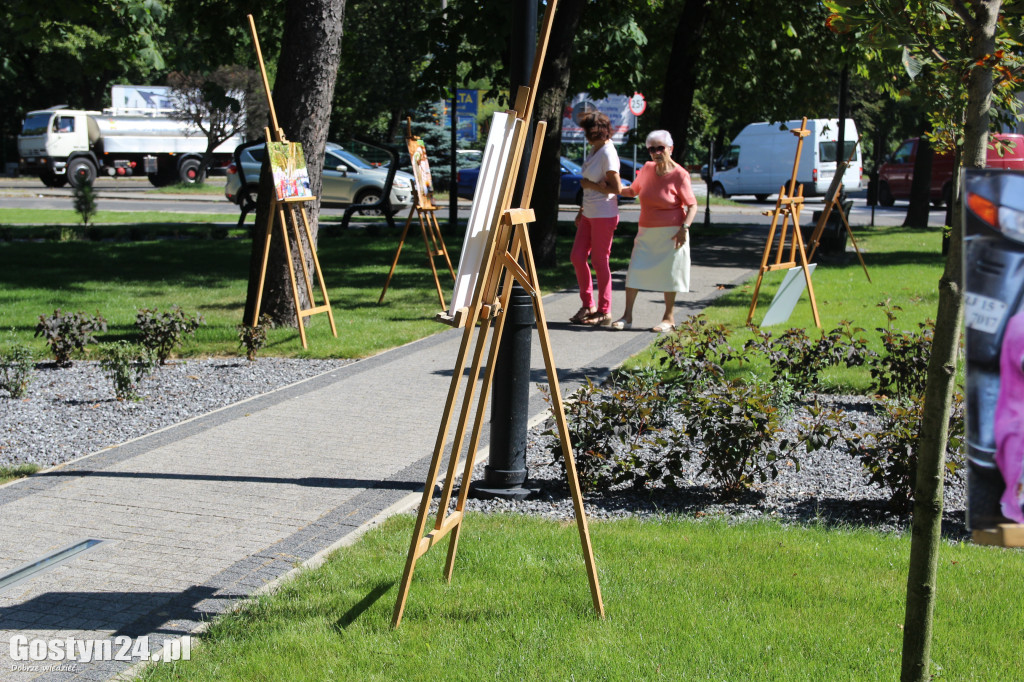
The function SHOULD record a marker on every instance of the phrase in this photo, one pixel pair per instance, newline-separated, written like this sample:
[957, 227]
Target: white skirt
[656, 263]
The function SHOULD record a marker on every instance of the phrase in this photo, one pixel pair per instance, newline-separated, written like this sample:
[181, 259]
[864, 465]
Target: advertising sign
[466, 108]
[616, 107]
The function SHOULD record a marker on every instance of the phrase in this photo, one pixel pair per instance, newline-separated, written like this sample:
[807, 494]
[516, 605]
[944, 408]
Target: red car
[897, 173]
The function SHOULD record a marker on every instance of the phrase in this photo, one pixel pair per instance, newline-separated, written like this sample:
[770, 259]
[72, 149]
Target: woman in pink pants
[596, 221]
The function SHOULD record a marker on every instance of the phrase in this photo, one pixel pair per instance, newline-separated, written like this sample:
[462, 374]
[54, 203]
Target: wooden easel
[426, 211]
[508, 239]
[787, 205]
[1003, 535]
[284, 210]
[832, 202]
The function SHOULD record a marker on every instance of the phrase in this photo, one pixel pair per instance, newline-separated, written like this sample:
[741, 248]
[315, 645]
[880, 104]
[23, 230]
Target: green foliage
[126, 364]
[890, 455]
[253, 338]
[694, 356]
[85, 202]
[163, 332]
[901, 371]
[798, 360]
[65, 333]
[736, 425]
[17, 364]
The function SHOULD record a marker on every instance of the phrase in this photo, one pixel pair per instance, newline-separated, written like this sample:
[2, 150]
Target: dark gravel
[71, 412]
[830, 488]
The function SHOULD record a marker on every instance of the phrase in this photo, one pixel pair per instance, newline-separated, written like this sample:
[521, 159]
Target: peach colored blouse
[662, 198]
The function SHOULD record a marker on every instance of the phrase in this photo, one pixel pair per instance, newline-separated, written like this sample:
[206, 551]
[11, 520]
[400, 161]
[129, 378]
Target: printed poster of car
[994, 346]
[615, 106]
[288, 164]
[421, 171]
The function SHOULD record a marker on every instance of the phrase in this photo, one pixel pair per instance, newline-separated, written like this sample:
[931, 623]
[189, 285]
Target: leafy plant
[65, 333]
[695, 354]
[902, 369]
[255, 337]
[890, 455]
[736, 426]
[85, 202]
[163, 332]
[795, 358]
[16, 366]
[126, 364]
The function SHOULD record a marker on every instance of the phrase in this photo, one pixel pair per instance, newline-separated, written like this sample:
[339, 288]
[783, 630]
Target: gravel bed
[71, 412]
[830, 488]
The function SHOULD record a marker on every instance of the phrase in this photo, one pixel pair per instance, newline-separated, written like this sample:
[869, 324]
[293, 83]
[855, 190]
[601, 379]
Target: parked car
[897, 173]
[570, 191]
[347, 179]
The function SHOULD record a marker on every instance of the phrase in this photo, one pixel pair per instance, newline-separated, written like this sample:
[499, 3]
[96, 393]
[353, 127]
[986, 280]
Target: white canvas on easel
[793, 285]
[483, 216]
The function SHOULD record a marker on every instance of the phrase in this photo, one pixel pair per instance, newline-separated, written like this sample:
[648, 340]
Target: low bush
[253, 338]
[16, 367]
[901, 371]
[126, 364]
[163, 332]
[66, 333]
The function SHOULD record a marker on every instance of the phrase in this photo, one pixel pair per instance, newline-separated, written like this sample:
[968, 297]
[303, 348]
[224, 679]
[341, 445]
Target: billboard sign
[616, 107]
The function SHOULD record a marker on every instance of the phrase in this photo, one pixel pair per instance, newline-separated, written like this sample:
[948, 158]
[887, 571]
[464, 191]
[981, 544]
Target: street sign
[637, 104]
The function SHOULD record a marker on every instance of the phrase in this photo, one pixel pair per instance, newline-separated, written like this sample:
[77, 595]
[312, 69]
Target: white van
[760, 159]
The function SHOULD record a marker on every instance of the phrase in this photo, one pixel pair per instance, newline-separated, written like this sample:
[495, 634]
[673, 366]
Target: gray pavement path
[204, 513]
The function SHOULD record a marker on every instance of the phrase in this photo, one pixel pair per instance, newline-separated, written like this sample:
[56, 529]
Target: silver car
[347, 179]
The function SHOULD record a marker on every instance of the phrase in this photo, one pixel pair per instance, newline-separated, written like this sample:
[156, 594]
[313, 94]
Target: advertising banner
[616, 107]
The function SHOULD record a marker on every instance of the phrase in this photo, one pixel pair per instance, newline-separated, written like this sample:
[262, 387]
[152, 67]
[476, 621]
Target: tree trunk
[926, 534]
[548, 106]
[920, 186]
[681, 76]
[303, 92]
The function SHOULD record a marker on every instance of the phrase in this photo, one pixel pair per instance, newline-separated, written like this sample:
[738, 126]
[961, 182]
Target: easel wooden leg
[856, 248]
[563, 430]
[319, 273]
[438, 240]
[798, 245]
[425, 227]
[398, 252]
[291, 277]
[767, 254]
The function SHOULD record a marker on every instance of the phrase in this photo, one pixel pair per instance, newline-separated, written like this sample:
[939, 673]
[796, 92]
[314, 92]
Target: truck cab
[49, 138]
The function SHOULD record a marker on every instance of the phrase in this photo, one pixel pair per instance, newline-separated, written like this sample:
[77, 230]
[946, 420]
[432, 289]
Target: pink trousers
[594, 240]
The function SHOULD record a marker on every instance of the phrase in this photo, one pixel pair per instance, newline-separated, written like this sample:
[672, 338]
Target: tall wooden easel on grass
[426, 210]
[284, 210]
[832, 202]
[787, 206]
[504, 240]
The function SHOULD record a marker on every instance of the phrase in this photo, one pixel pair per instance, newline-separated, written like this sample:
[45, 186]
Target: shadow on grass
[365, 603]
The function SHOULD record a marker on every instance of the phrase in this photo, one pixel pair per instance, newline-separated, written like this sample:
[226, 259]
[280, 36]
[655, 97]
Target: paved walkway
[198, 515]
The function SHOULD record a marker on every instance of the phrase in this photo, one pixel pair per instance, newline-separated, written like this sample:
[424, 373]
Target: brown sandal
[581, 316]
[598, 320]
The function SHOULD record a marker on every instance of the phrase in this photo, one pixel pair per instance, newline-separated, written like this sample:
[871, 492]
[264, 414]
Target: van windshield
[36, 124]
[827, 150]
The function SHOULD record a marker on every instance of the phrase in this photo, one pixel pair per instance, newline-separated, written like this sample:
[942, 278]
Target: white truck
[63, 145]
[760, 159]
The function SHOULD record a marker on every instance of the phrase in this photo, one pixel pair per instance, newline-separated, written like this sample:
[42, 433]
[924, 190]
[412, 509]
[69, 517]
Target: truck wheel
[718, 191]
[189, 171]
[156, 179]
[369, 196]
[885, 197]
[81, 172]
[761, 197]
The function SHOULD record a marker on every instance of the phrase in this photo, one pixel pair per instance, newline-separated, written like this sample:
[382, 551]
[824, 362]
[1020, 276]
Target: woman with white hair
[661, 249]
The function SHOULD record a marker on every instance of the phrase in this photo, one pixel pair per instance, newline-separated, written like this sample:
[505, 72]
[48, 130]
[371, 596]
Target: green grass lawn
[905, 265]
[11, 473]
[209, 276]
[684, 600]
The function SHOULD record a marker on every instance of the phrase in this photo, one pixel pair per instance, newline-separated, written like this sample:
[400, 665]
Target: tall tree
[957, 49]
[303, 92]
[681, 74]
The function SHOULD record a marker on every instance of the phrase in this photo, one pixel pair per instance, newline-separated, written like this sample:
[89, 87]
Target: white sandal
[621, 324]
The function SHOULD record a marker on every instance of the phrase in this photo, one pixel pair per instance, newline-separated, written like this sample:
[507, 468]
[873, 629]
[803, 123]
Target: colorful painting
[288, 163]
[421, 171]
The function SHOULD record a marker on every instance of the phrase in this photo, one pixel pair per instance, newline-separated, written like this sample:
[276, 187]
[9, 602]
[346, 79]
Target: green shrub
[252, 339]
[126, 364]
[85, 202]
[16, 366]
[890, 455]
[797, 359]
[901, 371]
[163, 332]
[65, 333]
[736, 426]
[695, 354]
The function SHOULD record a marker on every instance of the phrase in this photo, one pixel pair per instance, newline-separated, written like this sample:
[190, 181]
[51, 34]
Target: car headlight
[401, 183]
